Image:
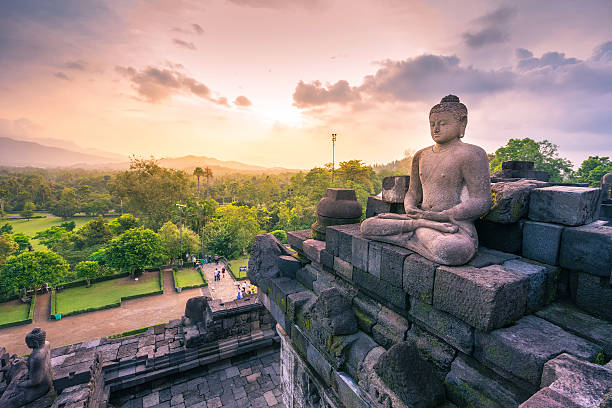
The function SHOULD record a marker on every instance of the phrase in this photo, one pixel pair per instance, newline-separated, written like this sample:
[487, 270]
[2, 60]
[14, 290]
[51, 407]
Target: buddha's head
[36, 338]
[447, 120]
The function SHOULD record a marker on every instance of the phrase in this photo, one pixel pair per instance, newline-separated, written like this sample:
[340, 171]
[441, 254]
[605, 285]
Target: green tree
[198, 212]
[543, 154]
[280, 235]
[231, 230]
[208, 174]
[170, 235]
[198, 172]
[28, 210]
[121, 224]
[22, 240]
[30, 270]
[51, 236]
[135, 250]
[87, 270]
[67, 205]
[6, 229]
[8, 246]
[93, 232]
[151, 192]
[592, 170]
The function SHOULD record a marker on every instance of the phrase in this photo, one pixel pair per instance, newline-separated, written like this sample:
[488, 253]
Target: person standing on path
[223, 272]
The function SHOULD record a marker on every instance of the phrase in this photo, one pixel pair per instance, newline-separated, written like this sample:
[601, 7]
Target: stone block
[299, 340]
[332, 240]
[278, 315]
[394, 189]
[486, 298]
[538, 281]
[547, 398]
[306, 276]
[517, 165]
[522, 349]
[511, 200]
[296, 238]
[312, 249]
[345, 240]
[348, 391]
[288, 266]
[606, 212]
[432, 349]
[380, 289]
[594, 294]
[319, 363]
[390, 328]
[297, 301]
[574, 321]
[418, 277]
[452, 330]
[366, 312]
[374, 258]
[502, 237]
[392, 264]
[359, 256]
[485, 257]
[377, 206]
[541, 242]
[582, 382]
[565, 205]
[469, 384]
[280, 288]
[357, 353]
[588, 249]
[327, 260]
[343, 269]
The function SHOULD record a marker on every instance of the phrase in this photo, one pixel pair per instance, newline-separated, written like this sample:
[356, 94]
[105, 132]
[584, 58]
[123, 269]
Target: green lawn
[105, 293]
[13, 311]
[31, 227]
[188, 277]
[235, 264]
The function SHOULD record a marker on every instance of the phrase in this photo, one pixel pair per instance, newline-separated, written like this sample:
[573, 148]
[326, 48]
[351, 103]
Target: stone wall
[489, 333]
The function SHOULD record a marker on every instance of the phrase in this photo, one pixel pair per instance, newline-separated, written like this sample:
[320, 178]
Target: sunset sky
[267, 81]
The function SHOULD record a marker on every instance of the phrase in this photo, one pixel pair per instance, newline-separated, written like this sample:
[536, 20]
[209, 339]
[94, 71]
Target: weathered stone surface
[454, 331]
[343, 269]
[263, 262]
[392, 264]
[280, 288]
[348, 391]
[538, 281]
[522, 349]
[579, 323]
[297, 302]
[312, 249]
[296, 238]
[511, 200]
[306, 276]
[377, 206]
[588, 249]
[358, 351]
[418, 277]
[338, 207]
[485, 257]
[390, 328]
[333, 311]
[469, 384]
[594, 294]
[432, 349]
[332, 241]
[288, 266]
[565, 205]
[502, 237]
[319, 363]
[345, 240]
[359, 250]
[486, 298]
[327, 260]
[195, 308]
[580, 381]
[366, 312]
[547, 398]
[410, 377]
[541, 242]
[380, 289]
[394, 189]
[374, 258]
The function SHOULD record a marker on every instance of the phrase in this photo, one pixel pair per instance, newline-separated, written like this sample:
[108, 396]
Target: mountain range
[63, 154]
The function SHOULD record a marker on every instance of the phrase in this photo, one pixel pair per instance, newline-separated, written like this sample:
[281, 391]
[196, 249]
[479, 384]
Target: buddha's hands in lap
[421, 219]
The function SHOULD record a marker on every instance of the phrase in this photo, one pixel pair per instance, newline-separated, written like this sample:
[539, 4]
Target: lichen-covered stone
[539, 276]
[380, 289]
[343, 269]
[486, 298]
[263, 262]
[565, 205]
[541, 241]
[418, 278]
[432, 349]
[390, 328]
[366, 312]
[511, 200]
[588, 249]
[547, 398]
[522, 349]
[357, 352]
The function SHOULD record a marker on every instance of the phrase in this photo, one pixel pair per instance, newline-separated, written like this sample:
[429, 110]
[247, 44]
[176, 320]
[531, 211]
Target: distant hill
[218, 167]
[20, 153]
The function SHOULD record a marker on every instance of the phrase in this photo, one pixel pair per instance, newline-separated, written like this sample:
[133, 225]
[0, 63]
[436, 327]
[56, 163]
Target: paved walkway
[244, 382]
[133, 314]
[225, 289]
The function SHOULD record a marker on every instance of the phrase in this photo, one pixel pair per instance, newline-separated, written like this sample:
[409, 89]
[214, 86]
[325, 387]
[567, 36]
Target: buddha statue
[450, 187]
[32, 378]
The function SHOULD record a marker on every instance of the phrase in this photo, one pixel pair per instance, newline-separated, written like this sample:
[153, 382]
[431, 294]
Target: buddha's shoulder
[472, 149]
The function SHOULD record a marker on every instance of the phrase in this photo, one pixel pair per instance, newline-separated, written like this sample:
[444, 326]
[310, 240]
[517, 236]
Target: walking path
[225, 289]
[133, 314]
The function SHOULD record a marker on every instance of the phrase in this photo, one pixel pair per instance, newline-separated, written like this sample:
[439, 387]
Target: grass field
[13, 311]
[31, 227]
[188, 277]
[235, 264]
[105, 293]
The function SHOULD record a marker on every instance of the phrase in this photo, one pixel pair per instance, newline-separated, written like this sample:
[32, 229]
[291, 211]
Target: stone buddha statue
[450, 187]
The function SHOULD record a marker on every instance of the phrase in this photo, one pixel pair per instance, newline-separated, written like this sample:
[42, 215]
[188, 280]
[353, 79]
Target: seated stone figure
[31, 379]
[450, 187]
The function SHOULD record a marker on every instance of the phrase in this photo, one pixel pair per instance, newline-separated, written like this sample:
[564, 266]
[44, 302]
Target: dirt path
[225, 289]
[42, 308]
[132, 314]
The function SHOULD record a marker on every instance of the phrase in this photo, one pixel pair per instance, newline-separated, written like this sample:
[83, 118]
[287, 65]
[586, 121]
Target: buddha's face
[445, 127]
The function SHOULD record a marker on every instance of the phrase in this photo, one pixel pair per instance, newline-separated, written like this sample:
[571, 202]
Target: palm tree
[208, 174]
[198, 172]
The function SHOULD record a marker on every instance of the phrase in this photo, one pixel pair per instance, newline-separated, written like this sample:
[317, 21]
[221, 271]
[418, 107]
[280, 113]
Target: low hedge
[25, 321]
[53, 304]
[201, 285]
[118, 304]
